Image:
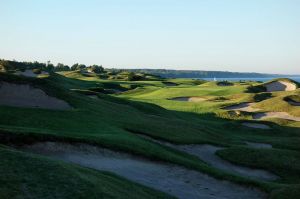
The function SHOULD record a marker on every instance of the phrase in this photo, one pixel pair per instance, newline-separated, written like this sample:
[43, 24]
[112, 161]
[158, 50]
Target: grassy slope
[106, 121]
[31, 176]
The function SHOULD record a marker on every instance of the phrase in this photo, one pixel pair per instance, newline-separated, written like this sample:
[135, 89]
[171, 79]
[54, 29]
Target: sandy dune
[280, 86]
[24, 95]
[256, 125]
[281, 115]
[189, 99]
[169, 178]
[242, 107]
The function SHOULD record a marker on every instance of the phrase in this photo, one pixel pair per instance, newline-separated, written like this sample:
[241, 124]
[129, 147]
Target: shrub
[262, 96]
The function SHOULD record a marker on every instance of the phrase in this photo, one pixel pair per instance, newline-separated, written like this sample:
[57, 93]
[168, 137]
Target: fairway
[148, 128]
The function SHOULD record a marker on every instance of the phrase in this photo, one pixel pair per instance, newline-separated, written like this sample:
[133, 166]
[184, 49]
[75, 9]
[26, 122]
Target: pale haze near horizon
[224, 35]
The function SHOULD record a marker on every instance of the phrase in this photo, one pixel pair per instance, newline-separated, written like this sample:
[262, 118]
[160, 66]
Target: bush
[224, 83]
[256, 89]
[262, 96]
[97, 69]
[37, 71]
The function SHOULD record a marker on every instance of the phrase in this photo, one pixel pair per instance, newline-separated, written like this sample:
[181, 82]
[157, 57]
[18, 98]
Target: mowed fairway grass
[113, 121]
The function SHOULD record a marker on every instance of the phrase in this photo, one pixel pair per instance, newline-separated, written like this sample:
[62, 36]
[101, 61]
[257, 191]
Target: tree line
[8, 65]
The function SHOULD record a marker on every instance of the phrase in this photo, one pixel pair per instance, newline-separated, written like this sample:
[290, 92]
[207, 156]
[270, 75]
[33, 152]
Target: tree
[78, 66]
[97, 69]
[74, 66]
[81, 66]
[61, 67]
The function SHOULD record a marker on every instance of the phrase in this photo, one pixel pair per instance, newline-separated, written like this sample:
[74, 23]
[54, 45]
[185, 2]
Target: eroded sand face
[169, 178]
[189, 99]
[281, 115]
[24, 95]
[242, 107]
[256, 125]
[280, 86]
[207, 153]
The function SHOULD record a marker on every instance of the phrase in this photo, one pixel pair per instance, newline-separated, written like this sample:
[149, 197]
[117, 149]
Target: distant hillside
[199, 73]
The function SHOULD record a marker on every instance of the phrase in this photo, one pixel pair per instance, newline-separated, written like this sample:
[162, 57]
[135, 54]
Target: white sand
[174, 180]
[256, 125]
[189, 99]
[242, 107]
[281, 115]
[280, 86]
[24, 95]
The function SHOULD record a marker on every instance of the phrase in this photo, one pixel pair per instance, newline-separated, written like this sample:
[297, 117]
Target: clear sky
[231, 35]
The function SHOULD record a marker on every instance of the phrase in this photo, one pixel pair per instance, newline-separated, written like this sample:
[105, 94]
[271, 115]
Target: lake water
[262, 79]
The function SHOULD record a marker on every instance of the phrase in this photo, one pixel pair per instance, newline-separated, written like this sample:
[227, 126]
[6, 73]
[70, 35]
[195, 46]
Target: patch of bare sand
[280, 86]
[93, 96]
[170, 83]
[207, 153]
[293, 103]
[24, 95]
[242, 107]
[257, 145]
[172, 179]
[256, 125]
[189, 99]
[281, 115]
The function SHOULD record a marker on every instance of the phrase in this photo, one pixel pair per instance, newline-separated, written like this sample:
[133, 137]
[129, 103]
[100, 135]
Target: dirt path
[24, 95]
[256, 125]
[242, 107]
[207, 153]
[169, 178]
[281, 115]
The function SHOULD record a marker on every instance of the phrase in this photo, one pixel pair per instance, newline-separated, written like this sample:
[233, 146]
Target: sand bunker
[242, 107]
[30, 73]
[93, 96]
[259, 145]
[280, 86]
[207, 153]
[169, 178]
[256, 125]
[189, 99]
[24, 95]
[170, 83]
[291, 102]
[281, 115]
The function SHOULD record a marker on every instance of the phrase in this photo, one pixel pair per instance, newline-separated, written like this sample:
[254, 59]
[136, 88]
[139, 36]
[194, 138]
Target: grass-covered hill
[115, 120]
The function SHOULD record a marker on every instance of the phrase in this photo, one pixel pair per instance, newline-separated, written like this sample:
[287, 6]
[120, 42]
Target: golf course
[90, 133]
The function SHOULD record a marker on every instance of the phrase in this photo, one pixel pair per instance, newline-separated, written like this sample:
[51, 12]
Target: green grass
[112, 121]
[26, 175]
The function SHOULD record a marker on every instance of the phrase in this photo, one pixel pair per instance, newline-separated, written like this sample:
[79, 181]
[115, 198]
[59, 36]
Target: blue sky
[231, 35]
